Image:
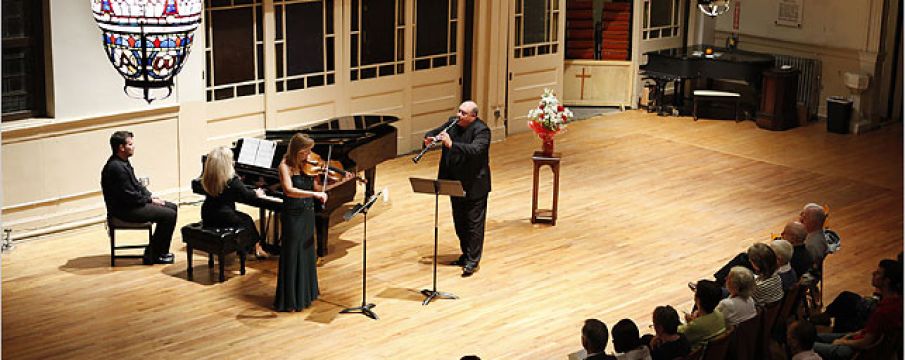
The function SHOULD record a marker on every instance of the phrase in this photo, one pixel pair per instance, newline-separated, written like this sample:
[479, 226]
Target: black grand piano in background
[676, 65]
[359, 142]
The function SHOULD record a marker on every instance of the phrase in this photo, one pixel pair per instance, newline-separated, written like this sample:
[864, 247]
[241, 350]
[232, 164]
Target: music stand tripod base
[363, 309]
[432, 294]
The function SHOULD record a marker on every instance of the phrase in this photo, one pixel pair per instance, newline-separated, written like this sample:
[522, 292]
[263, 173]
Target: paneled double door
[326, 58]
[391, 57]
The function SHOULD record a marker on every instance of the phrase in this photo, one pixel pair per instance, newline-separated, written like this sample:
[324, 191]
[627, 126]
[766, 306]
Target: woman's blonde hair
[741, 279]
[298, 143]
[218, 170]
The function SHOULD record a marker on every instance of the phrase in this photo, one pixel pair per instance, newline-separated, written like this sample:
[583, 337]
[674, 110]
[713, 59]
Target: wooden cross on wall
[583, 76]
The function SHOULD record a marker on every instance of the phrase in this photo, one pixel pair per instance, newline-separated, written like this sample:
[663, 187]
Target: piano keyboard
[272, 198]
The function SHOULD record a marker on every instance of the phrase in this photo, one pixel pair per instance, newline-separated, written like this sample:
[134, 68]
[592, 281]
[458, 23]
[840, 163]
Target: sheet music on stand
[257, 152]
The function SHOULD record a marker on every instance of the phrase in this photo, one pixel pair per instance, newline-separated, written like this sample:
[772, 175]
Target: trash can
[838, 114]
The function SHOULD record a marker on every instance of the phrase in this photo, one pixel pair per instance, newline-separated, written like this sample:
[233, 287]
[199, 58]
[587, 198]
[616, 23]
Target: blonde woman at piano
[297, 276]
[222, 189]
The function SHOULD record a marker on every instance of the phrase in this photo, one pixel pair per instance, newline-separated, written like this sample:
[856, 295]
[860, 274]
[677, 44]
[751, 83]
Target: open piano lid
[337, 130]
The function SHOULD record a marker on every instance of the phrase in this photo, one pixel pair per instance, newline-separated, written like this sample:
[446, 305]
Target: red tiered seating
[617, 17]
[580, 29]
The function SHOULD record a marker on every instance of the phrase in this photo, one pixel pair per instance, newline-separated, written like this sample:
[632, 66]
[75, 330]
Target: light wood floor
[647, 204]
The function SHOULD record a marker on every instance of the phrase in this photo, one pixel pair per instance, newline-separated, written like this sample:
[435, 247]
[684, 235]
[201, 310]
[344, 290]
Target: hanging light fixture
[147, 41]
[713, 8]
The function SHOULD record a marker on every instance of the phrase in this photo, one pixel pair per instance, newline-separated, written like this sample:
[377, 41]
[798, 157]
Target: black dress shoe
[164, 259]
[469, 270]
[167, 258]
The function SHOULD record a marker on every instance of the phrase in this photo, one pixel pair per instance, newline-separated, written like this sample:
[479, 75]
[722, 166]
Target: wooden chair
[886, 348]
[815, 291]
[717, 348]
[113, 223]
[790, 303]
[770, 313]
[743, 345]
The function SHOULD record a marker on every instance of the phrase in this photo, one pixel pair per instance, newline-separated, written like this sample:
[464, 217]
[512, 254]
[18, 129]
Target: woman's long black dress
[297, 277]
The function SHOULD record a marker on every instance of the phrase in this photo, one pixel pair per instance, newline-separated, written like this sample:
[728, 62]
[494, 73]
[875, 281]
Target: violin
[315, 166]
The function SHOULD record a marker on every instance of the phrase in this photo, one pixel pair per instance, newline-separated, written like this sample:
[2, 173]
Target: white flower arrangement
[549, 117]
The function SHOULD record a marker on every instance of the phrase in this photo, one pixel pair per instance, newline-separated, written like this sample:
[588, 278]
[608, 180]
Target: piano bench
[714, 95]
[216, 241]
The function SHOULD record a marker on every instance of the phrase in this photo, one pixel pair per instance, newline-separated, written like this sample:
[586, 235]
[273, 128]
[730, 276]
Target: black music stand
[365, 308]
[436, 187]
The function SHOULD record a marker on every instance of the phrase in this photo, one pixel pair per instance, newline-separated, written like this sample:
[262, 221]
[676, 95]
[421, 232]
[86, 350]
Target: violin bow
[327, 166]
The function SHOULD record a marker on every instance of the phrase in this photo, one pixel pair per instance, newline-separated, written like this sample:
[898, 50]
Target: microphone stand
[365, 308]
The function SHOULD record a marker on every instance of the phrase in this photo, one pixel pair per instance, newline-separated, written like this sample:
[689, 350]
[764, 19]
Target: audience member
[704, 323]
[813, 218]
[593, 339]
[801, 261]
[795, 233]
[129, 200]
[886, 320]
[847, 312]
[666, 343]
[783, 251]
[627, 342]
[767, 284]
[222, 188]
[739, 306]
[800, 339]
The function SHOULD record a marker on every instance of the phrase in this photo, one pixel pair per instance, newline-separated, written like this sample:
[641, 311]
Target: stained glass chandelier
[713, 8]
[147, 41]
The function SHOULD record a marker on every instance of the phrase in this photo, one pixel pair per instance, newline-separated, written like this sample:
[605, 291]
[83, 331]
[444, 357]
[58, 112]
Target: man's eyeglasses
[463, 112]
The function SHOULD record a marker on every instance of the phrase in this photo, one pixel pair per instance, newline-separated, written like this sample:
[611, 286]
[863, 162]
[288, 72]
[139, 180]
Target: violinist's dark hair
[298, 143]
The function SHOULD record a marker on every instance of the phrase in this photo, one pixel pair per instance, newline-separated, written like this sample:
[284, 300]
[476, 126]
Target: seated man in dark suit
[128, 200]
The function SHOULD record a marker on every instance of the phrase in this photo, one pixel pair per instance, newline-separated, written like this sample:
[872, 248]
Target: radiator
[808, 79]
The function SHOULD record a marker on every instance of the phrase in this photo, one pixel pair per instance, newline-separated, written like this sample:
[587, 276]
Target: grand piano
[359, 142]
[678, 65]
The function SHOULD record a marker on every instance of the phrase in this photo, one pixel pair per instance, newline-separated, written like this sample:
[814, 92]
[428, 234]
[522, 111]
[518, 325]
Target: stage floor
[647, 204]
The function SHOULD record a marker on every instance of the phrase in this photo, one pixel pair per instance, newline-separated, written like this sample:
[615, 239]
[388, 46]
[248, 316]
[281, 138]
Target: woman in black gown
[222, 189]
[297, 277]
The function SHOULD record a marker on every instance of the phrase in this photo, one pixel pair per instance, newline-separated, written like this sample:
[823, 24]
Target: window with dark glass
[377, 38]
[234, 53]
[435, 33]
[23, 59]
[536, 27]
[305, 42]
[660, 19]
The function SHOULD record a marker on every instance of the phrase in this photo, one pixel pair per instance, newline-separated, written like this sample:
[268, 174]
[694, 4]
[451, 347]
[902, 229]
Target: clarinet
[417, 158]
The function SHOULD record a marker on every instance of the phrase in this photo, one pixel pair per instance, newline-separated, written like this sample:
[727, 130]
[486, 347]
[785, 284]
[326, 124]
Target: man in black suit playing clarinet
[466, 158]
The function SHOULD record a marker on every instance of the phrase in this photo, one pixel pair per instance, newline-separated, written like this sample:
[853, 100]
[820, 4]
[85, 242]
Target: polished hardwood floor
[647, 204]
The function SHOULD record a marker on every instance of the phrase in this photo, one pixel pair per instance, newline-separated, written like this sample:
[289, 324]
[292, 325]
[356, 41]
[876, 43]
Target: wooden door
[535, 56]
[659, 26]
[436, 66]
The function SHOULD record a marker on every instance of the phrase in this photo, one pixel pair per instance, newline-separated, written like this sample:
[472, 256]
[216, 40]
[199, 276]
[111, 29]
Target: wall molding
[791, 47]
[36, 129]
